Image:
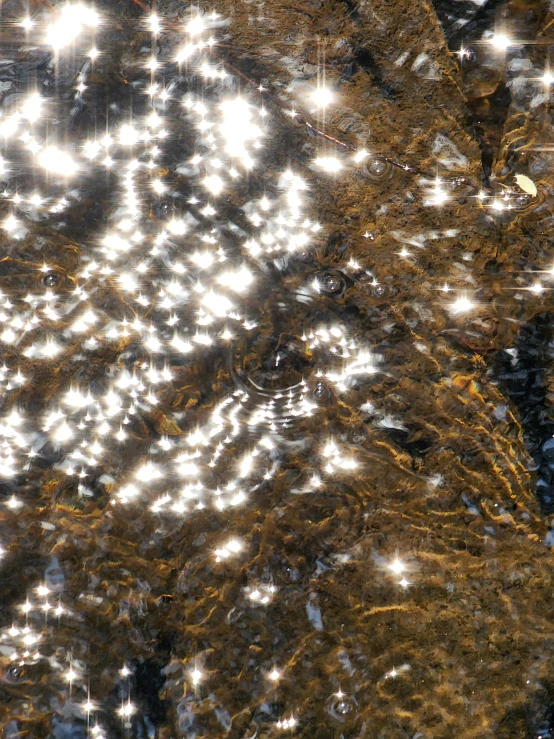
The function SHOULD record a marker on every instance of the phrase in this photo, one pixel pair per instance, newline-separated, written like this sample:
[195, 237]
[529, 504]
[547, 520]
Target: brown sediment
[444, 478]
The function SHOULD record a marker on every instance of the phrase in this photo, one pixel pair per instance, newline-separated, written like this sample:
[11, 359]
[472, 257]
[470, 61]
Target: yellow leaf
[526, 184]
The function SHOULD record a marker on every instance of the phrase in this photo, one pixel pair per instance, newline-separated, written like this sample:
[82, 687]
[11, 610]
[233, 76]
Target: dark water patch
[463, 19]
[525, 372]
[148, 682]
[487, 126]
[352, 8]
[366, 61]
[410, 441]
[535, 720]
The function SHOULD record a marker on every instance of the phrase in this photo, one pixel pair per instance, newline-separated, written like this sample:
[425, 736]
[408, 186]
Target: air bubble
[51, 279]
[341, 707]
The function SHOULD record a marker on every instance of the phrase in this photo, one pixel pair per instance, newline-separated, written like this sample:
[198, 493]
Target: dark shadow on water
[524, 373]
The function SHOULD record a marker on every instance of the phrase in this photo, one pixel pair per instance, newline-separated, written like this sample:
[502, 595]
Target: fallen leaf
[526, 184]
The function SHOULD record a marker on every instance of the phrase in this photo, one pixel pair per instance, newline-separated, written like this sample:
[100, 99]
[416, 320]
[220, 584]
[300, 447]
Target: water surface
[276, 433]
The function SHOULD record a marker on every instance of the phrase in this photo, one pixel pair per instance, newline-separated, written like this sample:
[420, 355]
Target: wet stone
[547, 449]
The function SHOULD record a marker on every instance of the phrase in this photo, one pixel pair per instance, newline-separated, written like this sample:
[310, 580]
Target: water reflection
[272, 394]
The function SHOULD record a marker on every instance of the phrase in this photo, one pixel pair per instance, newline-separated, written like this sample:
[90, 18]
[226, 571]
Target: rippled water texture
[276, 439]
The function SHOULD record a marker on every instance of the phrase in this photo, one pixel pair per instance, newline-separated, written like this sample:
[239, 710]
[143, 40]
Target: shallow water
[276, 443]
